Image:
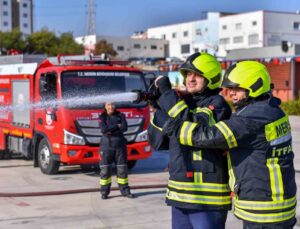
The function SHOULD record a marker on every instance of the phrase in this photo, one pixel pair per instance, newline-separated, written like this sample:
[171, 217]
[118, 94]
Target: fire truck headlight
[73, 139]
[142, 137]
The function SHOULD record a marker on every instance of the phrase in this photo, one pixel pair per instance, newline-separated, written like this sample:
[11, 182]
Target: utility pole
[91, 27]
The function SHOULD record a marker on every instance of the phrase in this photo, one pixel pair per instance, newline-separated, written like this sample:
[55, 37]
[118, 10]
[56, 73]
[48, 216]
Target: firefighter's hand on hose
[172, 127]
[163, 84]
[149, 96]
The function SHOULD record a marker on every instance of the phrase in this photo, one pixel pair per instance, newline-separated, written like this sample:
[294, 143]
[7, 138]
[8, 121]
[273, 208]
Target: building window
[174, 35]
[25, 5]
[145, 47]
[185, 49]
[153, 47]
[238, 26]
[237, 40]
[296, 25]
[137, 46]
[25, 25]
[5, 13]
[25, 15]
[224, 41]
[253, 39]
[5, 3]
[120, 48]
[196, 49]
[163, 36]
[5, 23]
[224, 27]
[185, 33]
[198, 32]
[254, 23]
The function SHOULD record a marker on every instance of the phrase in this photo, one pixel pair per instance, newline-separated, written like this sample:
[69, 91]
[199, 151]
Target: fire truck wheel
[4, 155]
[7, 155]
[131, 164]
[47, 164]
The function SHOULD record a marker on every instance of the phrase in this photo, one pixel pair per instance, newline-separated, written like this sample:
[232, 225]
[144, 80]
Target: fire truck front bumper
[76, 155]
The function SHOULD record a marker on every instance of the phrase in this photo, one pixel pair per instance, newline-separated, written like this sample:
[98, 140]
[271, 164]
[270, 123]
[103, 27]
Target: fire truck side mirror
[47, 86]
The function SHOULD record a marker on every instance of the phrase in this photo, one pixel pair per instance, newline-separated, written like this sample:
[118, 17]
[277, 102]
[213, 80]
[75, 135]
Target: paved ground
[87, 210]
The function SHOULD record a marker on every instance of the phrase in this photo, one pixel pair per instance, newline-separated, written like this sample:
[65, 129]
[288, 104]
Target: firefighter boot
[104, 196]
[128, 194]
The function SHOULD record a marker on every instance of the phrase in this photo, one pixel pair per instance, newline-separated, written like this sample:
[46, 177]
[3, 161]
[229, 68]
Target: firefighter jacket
[260, 158]
[112, 133]
[198, 178]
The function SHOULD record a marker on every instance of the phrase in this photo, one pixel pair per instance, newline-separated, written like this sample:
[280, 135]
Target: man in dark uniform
[113, 150]
[260, 156]
[198, 188]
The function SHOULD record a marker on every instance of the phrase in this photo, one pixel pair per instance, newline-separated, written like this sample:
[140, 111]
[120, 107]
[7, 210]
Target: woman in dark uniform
[113, 149]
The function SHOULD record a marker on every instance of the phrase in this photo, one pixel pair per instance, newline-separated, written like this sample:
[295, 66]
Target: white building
[127, 47]
[16, 14]
[187, 38]
[257, 29]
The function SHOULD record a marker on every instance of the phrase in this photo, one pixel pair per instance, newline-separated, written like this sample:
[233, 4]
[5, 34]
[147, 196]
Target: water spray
[75, 101]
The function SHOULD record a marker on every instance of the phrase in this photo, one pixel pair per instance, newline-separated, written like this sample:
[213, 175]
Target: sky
[123, 17]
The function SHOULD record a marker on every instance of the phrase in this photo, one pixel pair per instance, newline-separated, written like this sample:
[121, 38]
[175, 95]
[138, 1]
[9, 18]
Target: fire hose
[74, 191]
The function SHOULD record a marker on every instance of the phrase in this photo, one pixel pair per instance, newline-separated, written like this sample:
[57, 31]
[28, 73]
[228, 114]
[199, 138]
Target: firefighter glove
[163, 84]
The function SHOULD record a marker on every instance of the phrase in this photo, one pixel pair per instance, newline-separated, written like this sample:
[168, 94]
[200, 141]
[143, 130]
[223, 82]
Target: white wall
[280, 26]
[26, 22]
[166, 33]
[127, 47]
[3, 18]
[26, 29]
[271, 28]
[245, 26]
[206, 40]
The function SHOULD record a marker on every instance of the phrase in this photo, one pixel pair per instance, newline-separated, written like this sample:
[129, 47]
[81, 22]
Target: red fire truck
[50, 113]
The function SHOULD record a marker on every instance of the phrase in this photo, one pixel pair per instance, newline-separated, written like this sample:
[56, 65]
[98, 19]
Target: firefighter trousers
[119, 157]
[197, 219]
[288, 224]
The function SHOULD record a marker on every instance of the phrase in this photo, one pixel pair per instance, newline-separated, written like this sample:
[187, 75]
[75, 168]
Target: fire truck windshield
[84, 88]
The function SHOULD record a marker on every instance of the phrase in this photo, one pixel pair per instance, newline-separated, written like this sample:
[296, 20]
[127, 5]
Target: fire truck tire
[46, 163]
[131, 164]
[5, 155]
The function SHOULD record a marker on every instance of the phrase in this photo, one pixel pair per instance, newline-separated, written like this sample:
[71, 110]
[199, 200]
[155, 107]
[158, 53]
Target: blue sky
[123, 17]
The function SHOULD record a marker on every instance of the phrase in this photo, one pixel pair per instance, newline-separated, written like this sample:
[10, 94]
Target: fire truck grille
[90, 130]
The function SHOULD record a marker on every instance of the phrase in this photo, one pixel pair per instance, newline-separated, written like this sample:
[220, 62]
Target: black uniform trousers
[288, 224]
[119, 157]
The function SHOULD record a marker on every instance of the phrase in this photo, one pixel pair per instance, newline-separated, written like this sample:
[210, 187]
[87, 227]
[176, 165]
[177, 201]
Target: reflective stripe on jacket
[198, 177]
[260, 161]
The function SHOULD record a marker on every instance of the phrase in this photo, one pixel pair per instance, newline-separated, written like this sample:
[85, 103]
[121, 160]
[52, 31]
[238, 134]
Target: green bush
[291, 107]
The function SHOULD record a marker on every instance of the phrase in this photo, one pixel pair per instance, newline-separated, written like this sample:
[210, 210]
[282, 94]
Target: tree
[103, 47]
[67, 45]
[43, 42]
[46, 42]
[12, 40]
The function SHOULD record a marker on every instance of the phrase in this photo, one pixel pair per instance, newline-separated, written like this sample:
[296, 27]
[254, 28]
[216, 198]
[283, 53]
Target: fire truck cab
[50, 112]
